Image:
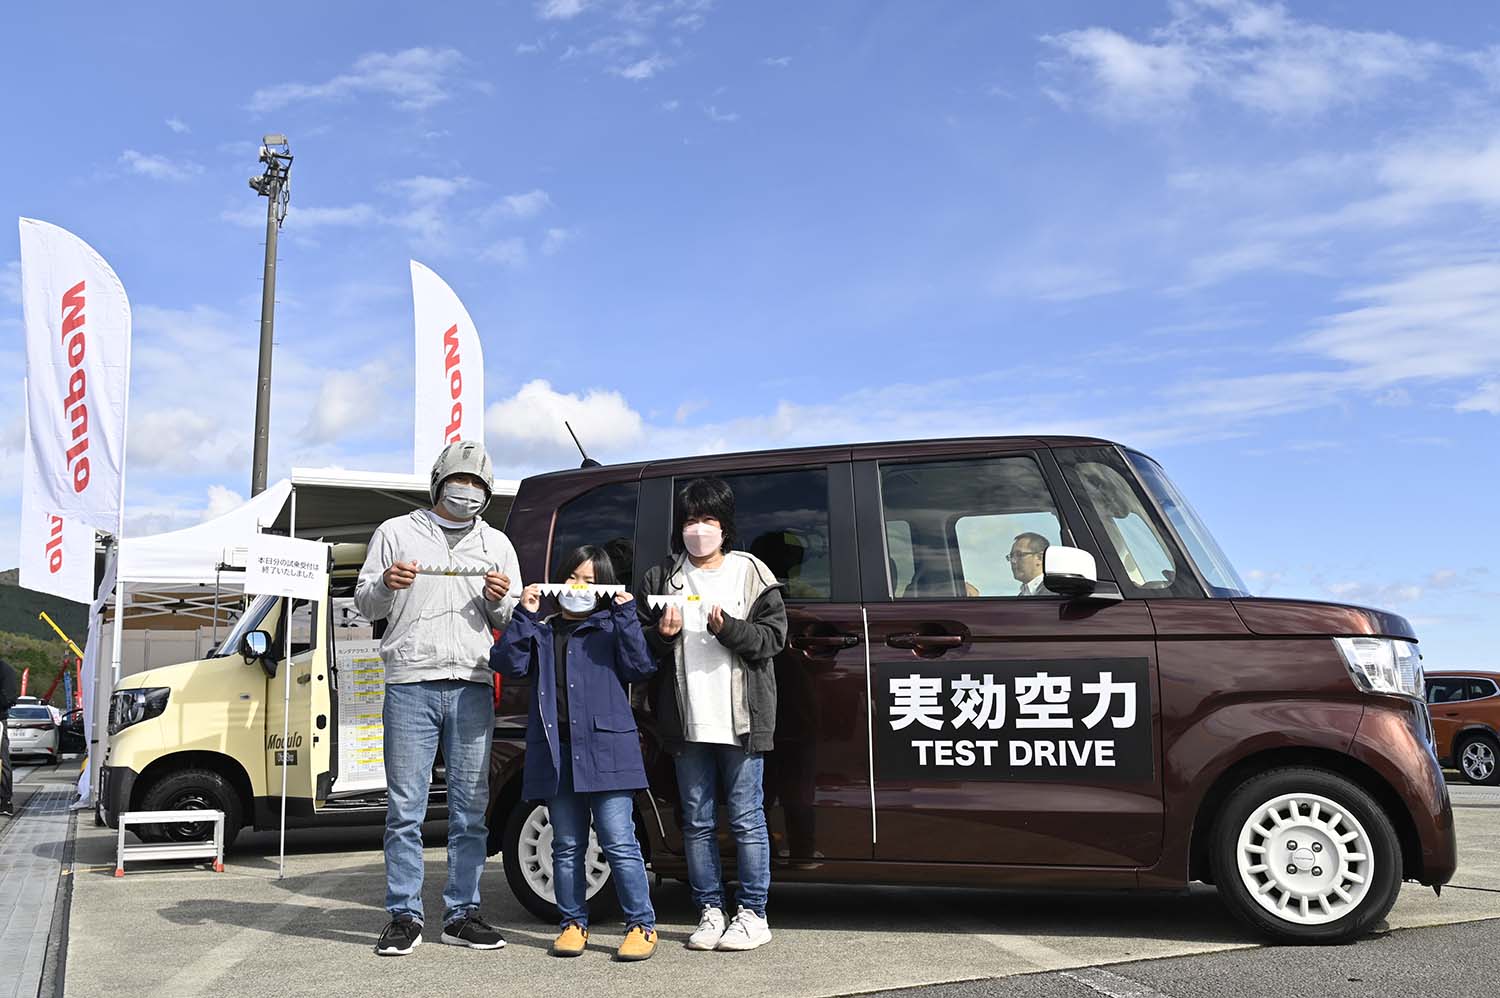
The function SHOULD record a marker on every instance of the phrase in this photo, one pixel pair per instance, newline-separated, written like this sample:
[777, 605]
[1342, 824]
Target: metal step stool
[176, 850]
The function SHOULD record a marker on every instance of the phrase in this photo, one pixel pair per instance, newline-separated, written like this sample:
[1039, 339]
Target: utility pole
[275, 186]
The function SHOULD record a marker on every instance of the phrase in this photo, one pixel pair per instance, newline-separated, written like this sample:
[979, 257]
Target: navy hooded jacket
[606, 653]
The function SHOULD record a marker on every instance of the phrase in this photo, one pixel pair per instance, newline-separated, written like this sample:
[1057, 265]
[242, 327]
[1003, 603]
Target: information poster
[361, 682]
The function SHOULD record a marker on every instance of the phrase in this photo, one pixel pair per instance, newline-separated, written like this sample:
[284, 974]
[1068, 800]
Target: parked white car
[34, 730]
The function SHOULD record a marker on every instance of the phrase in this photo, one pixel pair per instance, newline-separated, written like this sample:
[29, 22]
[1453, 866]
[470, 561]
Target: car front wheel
[1305, 855]
[1477, 758]
[191, 790]
[528, 865]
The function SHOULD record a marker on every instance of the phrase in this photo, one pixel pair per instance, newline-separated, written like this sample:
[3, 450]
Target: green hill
[27, 642]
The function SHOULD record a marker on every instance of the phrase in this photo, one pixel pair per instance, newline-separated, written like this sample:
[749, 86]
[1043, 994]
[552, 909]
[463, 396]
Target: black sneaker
[403, 935]
[8, 808]
[473, 932]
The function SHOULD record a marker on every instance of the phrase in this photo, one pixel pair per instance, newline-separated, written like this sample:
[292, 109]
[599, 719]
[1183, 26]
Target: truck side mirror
[1069, 571]
[255, 646]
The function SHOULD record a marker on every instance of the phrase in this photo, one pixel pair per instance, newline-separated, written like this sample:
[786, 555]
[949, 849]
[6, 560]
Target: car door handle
[1450, 713]
[922, 641]
[824, 642]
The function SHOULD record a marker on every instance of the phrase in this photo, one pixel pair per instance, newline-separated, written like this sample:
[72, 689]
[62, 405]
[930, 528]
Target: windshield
[248, 621]
[30, 714]
[1217, 571]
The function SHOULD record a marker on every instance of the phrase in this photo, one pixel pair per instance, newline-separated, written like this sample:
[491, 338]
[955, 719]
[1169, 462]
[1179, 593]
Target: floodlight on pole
[275, 184]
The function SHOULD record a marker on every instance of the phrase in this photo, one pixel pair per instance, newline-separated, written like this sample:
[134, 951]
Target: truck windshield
[249, 621]
[1215, 566]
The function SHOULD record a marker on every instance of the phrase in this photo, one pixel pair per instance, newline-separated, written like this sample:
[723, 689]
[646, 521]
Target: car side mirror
[1069, 572]
[255, 646]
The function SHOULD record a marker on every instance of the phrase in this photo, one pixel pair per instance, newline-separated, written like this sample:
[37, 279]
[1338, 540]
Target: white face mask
[463, 500]
[576, 601]
[702, 539]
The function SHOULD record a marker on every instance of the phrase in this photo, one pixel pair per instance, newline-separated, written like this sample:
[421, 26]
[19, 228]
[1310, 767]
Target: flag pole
[286, 701]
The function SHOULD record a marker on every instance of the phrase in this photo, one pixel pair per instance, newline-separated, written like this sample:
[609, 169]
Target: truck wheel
[189, 790]
[1305, 855]
[1477, 757]
[528, 865]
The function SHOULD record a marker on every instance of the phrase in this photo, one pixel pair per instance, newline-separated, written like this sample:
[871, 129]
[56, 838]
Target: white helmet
[462, 457]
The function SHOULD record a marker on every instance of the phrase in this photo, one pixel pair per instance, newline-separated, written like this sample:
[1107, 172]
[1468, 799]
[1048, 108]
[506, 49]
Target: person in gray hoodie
[442, 580]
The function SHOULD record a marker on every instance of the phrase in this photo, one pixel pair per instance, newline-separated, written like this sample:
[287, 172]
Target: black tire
[1381, 866]
[191, 789]
[1483, 769]
[604, 904]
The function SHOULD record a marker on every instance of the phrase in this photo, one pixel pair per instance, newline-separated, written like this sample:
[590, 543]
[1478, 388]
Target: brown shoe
[639, 944]
[571, 941]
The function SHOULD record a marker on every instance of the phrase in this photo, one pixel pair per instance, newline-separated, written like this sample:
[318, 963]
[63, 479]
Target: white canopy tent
[186, 572]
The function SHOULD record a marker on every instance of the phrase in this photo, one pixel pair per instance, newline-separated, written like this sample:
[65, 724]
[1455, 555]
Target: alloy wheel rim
[1305, 859]
[535, 856]
[1479, 761]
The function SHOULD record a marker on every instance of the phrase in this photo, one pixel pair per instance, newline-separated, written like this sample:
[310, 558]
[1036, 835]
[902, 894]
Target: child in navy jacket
[583, 753]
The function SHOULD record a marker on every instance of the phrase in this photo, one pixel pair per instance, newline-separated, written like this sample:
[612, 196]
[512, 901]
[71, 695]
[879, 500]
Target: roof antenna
[588, 462]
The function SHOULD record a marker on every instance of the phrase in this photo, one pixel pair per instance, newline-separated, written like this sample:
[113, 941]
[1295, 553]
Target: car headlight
[129, 707]
[1384, 665]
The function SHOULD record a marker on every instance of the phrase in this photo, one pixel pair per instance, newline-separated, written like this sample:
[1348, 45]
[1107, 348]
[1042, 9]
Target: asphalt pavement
[312, 933]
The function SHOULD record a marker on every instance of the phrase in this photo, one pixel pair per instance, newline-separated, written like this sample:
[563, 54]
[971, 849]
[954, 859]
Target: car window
[1446, 690]
[1104, 487]
[952, 527]
[782, 518]
[1480, 688]
[603, 516]
[30, 714]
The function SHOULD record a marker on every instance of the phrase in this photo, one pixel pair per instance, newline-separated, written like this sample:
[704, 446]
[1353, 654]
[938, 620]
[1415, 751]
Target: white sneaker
[710, 929]
[747, 931]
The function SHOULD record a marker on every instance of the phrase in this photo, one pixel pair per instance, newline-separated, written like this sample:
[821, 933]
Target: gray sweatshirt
[439, 628]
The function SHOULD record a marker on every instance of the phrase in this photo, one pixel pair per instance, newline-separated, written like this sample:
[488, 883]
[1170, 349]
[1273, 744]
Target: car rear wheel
[1305, 855]
[191, 790]
[1479, 759]
[528, 865]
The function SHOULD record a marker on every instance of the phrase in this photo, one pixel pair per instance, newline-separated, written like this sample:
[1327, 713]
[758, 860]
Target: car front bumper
[116, 784]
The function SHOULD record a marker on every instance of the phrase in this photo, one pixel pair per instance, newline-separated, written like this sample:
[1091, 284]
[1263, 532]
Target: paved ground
[312, 934]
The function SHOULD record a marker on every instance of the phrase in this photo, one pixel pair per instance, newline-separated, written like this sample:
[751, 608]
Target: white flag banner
[57, 555]
[286, 566]
[78, 375]
[450, 369]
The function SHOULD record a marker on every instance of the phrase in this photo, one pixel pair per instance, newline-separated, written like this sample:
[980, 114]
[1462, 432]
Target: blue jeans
[614, 823]
[418, 716]
[707, 774]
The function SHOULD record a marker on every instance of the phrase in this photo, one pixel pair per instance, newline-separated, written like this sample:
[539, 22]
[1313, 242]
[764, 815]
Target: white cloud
[642, 69]
[299, 218]
[344, 403]
[158, 167]
[555, 240]
[527, 428]
[413, 80]
[1375, 594]
[10, 283]
[221, 500]
[779, 61]
[527, 205]
[1253, 54]
[426, 216]
[178, 125]
[509, 252]
[724, 117]
[1055, 283]
[560, 10]
[1486, 399]
[670, 105]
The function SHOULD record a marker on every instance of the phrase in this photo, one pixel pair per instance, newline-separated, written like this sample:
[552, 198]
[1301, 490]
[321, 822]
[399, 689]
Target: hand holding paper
[401, 575]
[496, 586]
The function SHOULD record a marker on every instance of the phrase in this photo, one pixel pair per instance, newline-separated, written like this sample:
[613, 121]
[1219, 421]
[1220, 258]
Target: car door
[1009, 728]
[798, 518]
[1446, 696]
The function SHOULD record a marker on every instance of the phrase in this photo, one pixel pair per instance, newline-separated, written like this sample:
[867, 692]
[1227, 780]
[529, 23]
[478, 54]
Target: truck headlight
[129, 707]
[1384, 665]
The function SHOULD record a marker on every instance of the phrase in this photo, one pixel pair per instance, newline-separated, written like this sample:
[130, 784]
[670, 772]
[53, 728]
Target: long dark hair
[604, 565]
[704, 497]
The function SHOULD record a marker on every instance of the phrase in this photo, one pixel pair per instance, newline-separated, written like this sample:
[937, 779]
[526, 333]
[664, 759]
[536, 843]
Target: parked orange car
[1465, 709]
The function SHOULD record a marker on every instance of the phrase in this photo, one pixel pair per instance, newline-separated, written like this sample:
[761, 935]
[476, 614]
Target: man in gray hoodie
[441, 579]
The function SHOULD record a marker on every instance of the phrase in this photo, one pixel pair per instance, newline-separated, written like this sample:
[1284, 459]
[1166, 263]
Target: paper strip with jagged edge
[558, 588]
[681, 602]
[445, 570]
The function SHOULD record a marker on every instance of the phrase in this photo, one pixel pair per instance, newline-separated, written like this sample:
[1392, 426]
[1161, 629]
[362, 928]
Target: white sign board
[361, 682]
[285, 566]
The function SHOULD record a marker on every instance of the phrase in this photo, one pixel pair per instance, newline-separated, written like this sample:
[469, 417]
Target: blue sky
[1257, 241]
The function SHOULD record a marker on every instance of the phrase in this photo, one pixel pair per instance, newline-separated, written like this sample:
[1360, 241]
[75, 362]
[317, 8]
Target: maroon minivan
[1025, 663]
